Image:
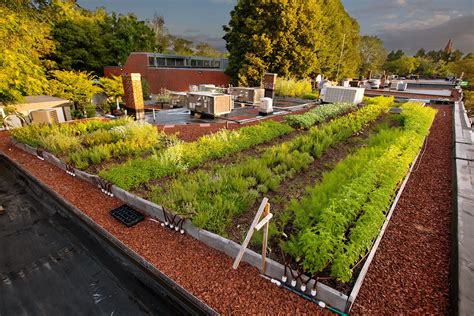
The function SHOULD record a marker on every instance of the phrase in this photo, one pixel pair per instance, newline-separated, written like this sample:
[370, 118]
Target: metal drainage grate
[126, 215]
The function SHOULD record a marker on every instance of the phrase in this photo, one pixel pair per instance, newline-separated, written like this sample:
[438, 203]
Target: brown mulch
[203, 271]
[410, 271]
[191, 132]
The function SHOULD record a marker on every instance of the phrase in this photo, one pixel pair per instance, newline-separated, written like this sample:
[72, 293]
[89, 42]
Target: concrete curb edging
[462, 271]
[275, 270]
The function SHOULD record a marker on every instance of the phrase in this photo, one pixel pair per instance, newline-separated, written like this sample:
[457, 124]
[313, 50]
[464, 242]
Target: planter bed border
[274, 270]
[462, 275]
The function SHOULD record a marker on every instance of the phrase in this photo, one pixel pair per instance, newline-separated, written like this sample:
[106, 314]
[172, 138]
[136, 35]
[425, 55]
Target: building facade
[173, 72]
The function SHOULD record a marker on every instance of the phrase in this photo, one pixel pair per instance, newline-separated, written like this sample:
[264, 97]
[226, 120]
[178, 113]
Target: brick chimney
[132, 86]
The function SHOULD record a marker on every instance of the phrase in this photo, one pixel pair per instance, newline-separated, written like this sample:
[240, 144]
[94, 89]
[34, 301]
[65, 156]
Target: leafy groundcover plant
[338, 219]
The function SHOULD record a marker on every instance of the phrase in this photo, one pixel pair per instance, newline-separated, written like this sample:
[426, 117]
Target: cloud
[421, 35]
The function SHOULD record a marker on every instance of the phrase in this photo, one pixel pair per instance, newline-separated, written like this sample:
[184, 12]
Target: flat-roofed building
[173, 72]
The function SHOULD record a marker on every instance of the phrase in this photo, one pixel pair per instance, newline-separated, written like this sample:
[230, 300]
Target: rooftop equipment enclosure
[249, 95]
[214, 104]
[342, 94]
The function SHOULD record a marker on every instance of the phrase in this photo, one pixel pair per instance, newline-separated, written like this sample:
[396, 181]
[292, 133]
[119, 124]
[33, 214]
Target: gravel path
[409, 274]
[203, 271]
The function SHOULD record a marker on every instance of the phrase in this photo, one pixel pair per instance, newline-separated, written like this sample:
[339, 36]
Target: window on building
[197, 63]
[151, 61]
[179, 62]
[161, 62]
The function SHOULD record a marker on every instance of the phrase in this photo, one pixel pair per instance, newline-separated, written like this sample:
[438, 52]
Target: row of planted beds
[220, 177]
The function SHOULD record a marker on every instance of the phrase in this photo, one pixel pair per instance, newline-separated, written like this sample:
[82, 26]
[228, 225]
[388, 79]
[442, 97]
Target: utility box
[214, 104]
[178, 99]
[342, 94]
[266, 106]
[247, 95]
[48, 116]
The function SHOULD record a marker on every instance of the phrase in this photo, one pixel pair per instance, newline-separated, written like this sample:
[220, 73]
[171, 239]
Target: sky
[401, 24]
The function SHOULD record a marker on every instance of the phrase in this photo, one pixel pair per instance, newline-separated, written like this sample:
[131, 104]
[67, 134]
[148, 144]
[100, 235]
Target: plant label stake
[256, 225]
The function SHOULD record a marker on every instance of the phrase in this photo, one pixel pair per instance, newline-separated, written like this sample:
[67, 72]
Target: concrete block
[190, 229]
[464, 151]
[212, 240]
[465, 255]
[465, 178]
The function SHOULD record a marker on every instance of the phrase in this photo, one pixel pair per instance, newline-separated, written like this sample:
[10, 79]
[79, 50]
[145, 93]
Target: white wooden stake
[265, 236]
[249, 234]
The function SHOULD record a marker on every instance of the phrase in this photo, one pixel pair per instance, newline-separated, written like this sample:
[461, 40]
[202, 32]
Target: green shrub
[318, 115]
[292, 87]
[91, 110]
[311, 96]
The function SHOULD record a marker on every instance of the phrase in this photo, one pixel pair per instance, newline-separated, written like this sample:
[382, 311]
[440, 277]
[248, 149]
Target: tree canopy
[89, 40]
[75, 86]
[291, 38]
[372, 54]
[24, 42]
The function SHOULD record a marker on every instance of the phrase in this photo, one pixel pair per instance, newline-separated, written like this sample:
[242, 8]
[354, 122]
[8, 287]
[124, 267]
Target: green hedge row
[187, 155]
[318, 115]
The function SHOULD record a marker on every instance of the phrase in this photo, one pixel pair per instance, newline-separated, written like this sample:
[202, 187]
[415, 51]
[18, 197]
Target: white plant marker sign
[256, 225]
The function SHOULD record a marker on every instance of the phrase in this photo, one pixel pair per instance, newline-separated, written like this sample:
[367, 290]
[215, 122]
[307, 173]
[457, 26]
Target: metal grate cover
[126, 215]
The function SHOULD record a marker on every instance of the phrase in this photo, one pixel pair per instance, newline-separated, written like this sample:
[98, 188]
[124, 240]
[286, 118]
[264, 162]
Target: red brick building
[173, 72]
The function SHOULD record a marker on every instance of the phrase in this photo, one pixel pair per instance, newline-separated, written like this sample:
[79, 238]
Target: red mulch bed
[203, 271]
[191, 132]
[410, 271]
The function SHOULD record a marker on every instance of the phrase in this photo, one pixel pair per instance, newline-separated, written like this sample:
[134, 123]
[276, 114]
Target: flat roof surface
[48, 266]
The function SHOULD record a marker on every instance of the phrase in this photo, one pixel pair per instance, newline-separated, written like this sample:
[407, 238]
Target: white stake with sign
[264, 210]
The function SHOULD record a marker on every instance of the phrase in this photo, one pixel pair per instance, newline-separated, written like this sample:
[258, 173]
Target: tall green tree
[89, 40]
[394, 55]
[372, 54]
[24, 42]
[182, 46]
[420, 53]
[340, 33]
[278, 36]
[402, 66]
[206, 50]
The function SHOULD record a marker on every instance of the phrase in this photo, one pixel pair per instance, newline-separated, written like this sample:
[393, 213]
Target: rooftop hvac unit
[49, 116]
[207, 87]
[343, 94]
[178, 99]
[214, 104]
[402, 86]
[249, 95]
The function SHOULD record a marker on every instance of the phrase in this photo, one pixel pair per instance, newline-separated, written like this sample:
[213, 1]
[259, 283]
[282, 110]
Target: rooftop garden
[331, 174]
